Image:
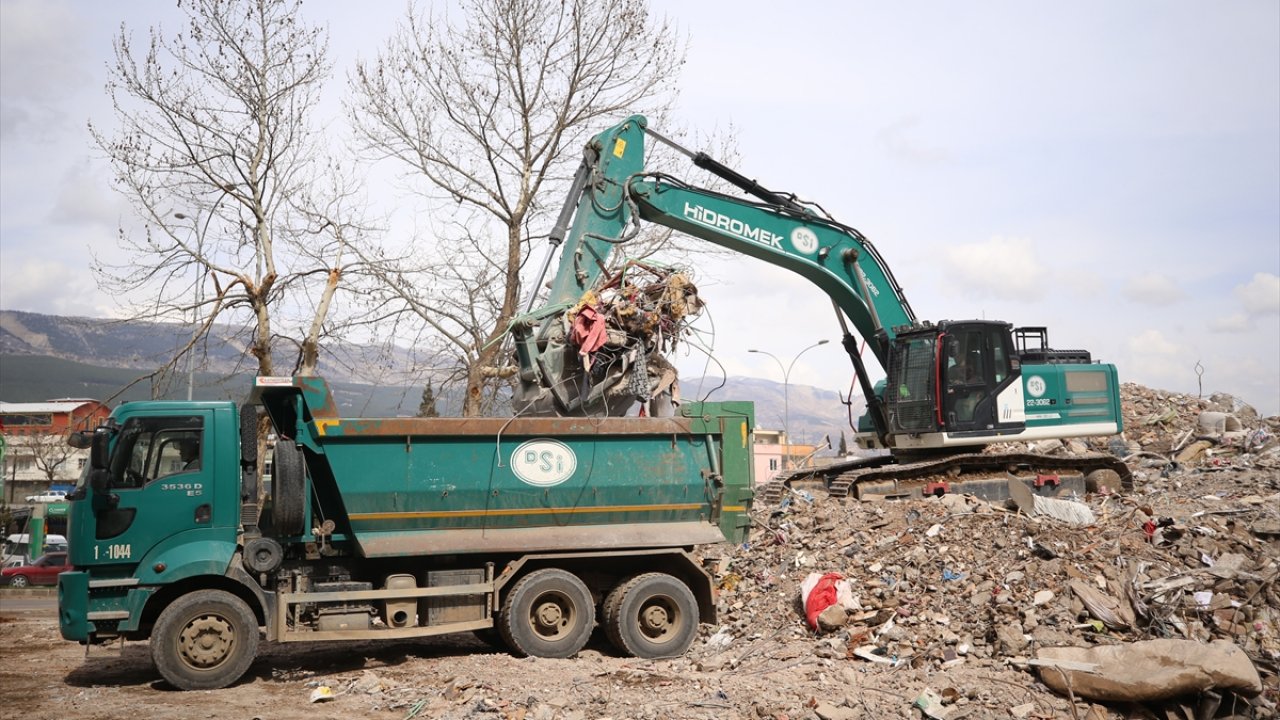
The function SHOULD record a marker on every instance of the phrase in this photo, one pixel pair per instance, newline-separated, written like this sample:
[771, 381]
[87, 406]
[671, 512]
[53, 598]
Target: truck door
[159, 486]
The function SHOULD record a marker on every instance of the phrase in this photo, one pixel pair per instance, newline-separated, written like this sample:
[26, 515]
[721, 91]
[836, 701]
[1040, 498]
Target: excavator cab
[949, 378]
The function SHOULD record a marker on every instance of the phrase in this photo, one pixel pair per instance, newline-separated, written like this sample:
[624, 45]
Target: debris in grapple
[621, 333]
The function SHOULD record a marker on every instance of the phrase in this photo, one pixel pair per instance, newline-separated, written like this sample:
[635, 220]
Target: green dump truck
[528, 530]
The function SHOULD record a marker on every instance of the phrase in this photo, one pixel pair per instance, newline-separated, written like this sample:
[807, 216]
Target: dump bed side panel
[408, 486]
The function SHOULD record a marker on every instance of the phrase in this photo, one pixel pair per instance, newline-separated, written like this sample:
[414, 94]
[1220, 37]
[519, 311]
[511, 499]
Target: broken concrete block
[833, 618]
[1218, 423]
[1149, 670]
[1010, 640]
[1193, 451]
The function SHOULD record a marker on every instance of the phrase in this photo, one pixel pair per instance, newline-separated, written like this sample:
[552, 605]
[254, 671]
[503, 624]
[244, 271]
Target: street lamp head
[180, 216]
[823, 342]
[752, 350]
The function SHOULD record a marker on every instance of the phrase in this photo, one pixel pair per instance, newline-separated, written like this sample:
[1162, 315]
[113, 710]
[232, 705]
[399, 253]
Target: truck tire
[491, 637]
[548, 613]
[288, 487]
[204, 640]
[652, 615]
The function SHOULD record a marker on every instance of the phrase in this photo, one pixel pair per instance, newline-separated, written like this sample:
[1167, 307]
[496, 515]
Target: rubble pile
[946, 591]
[1220, 430]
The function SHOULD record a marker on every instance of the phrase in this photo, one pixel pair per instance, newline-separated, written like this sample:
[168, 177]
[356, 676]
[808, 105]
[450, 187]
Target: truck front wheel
[652, 615]
[548, 613]
[205, 640]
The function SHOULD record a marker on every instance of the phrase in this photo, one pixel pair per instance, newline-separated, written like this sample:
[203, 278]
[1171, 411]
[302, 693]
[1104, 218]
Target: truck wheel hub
[550, 615]
[207, 640]
[655, 619]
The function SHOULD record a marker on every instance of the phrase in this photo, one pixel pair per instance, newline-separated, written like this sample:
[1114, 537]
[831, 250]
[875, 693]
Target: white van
[17, 548]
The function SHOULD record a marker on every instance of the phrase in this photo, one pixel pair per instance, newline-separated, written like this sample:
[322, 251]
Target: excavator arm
[612, 193]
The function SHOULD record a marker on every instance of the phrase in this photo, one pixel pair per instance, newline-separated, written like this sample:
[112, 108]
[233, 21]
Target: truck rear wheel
[653, 615]
[205, 640]
[548, 613]
[288, 485]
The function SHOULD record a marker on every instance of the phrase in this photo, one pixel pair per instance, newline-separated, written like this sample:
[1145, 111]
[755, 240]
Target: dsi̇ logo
[804, 240]
[1035, 386]
[543, 462]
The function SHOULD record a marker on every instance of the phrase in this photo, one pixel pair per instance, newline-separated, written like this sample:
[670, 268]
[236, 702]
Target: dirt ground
[42, 676]
[953, 596]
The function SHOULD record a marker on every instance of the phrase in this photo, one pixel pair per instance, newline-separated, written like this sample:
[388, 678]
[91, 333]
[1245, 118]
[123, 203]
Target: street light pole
[786, 396]
[195, 310]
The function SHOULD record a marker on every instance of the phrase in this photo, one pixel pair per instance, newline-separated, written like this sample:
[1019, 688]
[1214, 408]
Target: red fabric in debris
[588, 330]
[821, 597]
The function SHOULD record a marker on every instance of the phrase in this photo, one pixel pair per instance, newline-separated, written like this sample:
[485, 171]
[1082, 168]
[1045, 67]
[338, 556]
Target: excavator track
[984, 475]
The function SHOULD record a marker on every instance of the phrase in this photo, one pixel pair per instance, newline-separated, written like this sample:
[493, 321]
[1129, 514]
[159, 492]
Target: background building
[771, 450]
[35, 455]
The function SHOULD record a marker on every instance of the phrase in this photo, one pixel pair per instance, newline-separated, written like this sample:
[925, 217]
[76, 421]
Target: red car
[44, 571]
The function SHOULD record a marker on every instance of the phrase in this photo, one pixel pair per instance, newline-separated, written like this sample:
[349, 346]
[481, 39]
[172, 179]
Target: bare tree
[49, 453]
[488, 112]
[215, 148]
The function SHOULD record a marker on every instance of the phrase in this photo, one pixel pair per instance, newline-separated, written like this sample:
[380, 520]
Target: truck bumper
[73, 606]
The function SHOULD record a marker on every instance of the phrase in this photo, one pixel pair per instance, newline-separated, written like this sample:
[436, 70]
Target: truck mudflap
[266, 601]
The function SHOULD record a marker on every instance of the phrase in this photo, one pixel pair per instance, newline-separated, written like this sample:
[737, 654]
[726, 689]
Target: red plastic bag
[822, 596]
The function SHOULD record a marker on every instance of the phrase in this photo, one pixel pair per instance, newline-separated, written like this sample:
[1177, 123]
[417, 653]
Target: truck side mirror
[80, 440]
[99, 450]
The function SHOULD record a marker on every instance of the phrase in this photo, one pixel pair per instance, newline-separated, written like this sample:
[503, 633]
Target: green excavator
[951, 388]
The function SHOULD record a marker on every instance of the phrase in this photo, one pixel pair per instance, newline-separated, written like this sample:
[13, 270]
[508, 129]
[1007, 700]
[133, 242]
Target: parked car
[17, 548]
[44, 571]
[48, 496]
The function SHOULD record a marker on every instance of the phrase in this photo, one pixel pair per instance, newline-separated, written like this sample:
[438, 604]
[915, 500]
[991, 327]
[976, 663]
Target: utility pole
[786, 397]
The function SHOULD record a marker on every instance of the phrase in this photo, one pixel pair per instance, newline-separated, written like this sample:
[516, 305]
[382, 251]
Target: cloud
[1153, 343]
[1001, 267]
[1236, 323]
[43, 61]
[1154, 360]
[85, 196]
[1261, 295]
[52, 286]
[1153, 289]
[32, 282]
[900, 138]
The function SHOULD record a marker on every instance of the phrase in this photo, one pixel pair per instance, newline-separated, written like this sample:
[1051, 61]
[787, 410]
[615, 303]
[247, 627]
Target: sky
[1108, 170]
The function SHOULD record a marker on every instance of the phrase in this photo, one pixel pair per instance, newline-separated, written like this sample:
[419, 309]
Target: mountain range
[50, 356]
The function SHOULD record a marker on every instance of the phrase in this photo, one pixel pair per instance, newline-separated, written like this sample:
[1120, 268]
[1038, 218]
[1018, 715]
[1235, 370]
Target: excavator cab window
[979, 364]
[967, 376]
[910, 396]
